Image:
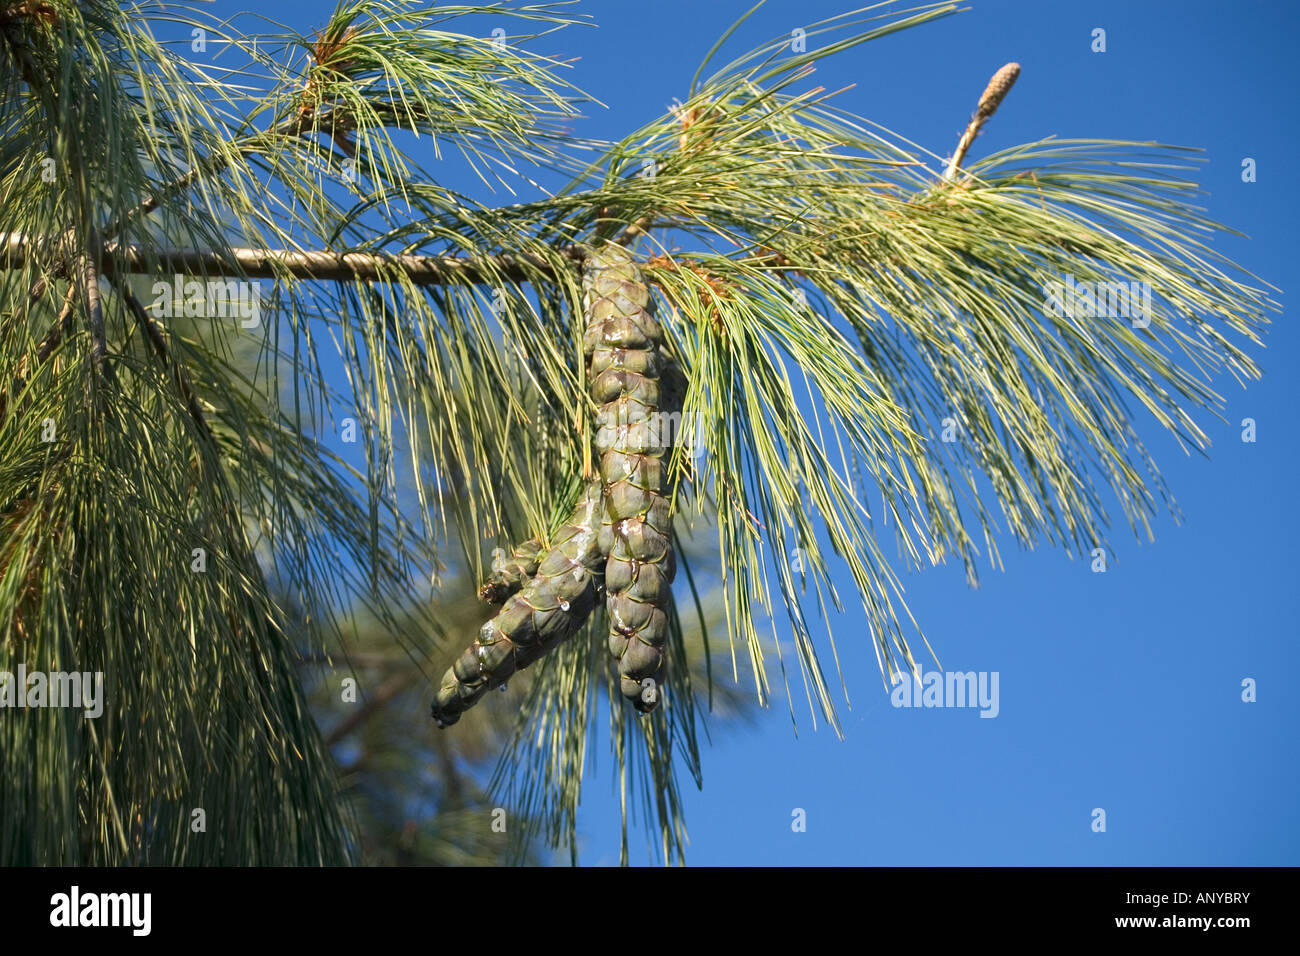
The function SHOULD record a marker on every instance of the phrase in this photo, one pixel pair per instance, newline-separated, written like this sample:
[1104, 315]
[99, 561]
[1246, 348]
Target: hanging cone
[541, 615]
[619, 533]
[637, 417]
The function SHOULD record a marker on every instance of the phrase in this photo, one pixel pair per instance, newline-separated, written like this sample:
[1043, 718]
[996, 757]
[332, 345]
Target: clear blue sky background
[1119, 690]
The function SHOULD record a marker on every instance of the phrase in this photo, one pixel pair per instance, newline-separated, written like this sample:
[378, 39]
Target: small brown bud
[998, 88]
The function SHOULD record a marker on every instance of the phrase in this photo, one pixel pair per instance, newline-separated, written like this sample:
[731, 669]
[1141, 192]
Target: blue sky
[1119, 690]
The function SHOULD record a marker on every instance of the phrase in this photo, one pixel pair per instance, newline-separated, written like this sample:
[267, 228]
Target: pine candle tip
[999, 86]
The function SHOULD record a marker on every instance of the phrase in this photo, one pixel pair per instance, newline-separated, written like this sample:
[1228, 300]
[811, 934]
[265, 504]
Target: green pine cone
[512, 573]
[546, 611]
[634, 384]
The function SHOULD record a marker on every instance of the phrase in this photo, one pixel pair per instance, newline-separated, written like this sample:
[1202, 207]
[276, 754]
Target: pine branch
[94, 311]
[62, 326]
[317, 264]
[326, 265]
